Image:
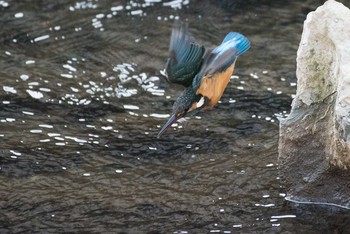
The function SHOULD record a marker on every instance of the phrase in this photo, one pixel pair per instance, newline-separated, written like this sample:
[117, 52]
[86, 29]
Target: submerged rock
[314, 146]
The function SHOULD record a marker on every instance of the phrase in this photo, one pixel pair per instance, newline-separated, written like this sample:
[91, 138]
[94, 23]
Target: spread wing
[185, 58]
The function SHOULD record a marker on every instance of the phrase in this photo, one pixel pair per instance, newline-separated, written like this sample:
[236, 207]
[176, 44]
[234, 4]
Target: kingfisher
[204, 75]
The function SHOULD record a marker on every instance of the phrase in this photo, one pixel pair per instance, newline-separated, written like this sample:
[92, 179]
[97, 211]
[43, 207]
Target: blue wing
[241, 42]
[186, 56]
[233, 45]
[222, 57]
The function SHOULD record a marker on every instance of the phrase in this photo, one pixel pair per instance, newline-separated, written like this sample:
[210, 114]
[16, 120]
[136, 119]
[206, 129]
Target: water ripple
[82, 101]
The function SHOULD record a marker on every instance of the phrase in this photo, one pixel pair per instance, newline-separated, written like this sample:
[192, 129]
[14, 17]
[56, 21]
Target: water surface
[82, 101]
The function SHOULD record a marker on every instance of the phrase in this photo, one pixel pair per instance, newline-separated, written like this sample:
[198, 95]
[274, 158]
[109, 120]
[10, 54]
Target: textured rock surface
[314, 147]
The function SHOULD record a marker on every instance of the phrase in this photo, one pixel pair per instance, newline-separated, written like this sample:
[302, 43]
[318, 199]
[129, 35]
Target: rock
[314, 145]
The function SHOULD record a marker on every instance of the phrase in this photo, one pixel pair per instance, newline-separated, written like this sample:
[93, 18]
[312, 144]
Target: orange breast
[213, 87]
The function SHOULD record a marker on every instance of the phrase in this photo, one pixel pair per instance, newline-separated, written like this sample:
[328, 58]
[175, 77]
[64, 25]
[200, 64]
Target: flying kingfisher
[205, 76]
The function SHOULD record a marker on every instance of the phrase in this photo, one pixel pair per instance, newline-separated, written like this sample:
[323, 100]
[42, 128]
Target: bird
[204, 75]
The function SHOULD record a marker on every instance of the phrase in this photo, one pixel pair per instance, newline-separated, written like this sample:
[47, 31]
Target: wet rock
[314, 146]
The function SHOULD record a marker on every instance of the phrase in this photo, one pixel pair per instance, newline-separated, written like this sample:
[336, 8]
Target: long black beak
[173, 118]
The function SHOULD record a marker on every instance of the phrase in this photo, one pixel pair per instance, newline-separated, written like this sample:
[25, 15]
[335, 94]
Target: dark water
[82, 101]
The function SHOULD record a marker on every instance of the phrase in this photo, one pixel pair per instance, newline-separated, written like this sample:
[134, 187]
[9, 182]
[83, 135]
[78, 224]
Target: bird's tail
[241, 42]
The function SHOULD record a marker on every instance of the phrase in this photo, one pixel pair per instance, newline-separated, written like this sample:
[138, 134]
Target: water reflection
[83, 98]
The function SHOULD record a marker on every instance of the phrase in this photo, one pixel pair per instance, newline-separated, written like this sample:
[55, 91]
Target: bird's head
[189, 103]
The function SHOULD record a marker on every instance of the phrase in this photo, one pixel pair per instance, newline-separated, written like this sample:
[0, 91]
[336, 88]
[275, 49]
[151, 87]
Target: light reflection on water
[83, 99]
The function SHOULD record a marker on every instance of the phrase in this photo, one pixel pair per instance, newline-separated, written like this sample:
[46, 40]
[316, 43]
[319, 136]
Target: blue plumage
[234, 40]
[205, 77]
[222, 57]
[185, 57]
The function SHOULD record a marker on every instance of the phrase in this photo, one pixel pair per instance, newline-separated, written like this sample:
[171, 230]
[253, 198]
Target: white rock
[314, 144]
[323, 70]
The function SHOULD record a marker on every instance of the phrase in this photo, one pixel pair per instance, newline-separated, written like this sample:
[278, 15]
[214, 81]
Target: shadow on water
[82, 101]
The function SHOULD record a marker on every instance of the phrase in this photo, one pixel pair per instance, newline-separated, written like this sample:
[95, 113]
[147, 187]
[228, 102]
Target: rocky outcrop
[314, 146]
